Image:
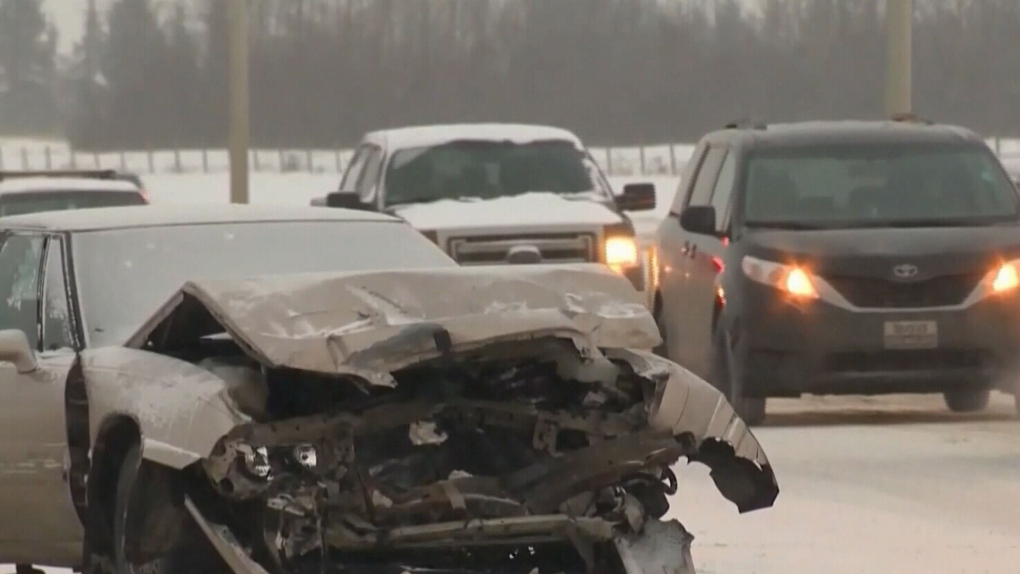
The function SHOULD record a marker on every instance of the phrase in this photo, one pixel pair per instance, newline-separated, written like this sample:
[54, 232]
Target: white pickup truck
[499, 193]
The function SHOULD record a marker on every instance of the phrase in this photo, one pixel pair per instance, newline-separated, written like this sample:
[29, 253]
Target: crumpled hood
[372, 323]
[526, 210]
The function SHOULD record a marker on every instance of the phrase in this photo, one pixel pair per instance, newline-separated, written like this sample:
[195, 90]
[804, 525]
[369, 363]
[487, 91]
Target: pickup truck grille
[553, 248]
[944, 291]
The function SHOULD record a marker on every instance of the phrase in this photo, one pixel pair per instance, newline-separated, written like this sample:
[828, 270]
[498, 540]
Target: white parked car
[24, 192]
[499, 193]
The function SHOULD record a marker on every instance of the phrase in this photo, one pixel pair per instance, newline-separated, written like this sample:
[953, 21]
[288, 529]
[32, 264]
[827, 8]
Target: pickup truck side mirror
[636, 197]
[698, 219]
[15, 348]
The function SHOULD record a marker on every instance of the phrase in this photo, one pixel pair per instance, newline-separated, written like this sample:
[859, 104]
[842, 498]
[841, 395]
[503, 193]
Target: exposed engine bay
[497, 461]
[484, 420]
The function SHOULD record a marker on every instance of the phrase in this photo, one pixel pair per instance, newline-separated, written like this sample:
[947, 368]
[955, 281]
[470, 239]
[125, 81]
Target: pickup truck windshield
[488, 169]
[895, 185]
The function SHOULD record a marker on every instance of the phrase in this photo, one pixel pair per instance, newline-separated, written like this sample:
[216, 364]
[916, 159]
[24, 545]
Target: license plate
[911, 334]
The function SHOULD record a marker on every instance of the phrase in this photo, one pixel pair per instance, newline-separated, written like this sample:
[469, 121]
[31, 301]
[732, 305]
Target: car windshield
[877, 186]
[124, 275]
[36, 201]
[489, 169]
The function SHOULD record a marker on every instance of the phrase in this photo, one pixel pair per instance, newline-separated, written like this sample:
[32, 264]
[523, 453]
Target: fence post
[177, 160]
[123, 160]
[49, 158]
[609, 160]
[152, 162]
[1, 157]
[308, 161]
[95, 160]
[672, 159]
[255, 160]
[641, 153]
[205, 160]
[338, 166]
[998, 146]
[24, 159]
[74, 159]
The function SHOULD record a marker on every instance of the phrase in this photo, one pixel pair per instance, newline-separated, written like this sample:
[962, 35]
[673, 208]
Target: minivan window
[892, 185]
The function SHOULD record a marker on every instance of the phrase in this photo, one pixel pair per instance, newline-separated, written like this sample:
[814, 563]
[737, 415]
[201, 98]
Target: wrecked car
[374, 414]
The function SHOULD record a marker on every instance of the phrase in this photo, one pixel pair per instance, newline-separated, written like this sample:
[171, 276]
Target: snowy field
[891, 485]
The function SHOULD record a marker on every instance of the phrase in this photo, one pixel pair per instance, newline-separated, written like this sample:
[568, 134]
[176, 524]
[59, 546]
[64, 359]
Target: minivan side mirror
[698, 219]
[345, 200]
[15, 348]
[636, 197]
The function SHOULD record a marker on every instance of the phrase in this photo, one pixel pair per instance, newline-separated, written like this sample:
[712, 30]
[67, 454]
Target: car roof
[49, 184]
[418, 136]
[165, 215]
[832, 132]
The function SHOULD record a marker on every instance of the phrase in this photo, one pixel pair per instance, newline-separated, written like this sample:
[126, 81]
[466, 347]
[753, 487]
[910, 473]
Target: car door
[38, 521]
[681, 250]
[706, 263]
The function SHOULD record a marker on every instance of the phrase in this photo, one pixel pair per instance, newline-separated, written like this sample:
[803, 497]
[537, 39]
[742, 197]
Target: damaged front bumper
[659, 547]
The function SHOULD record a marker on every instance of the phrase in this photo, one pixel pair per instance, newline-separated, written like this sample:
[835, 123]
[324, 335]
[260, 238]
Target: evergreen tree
[133, 67]
[27, 68]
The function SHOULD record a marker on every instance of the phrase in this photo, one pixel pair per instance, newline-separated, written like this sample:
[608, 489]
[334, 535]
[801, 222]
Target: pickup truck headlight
[621, 253]
[793, 280]
[1005, 278]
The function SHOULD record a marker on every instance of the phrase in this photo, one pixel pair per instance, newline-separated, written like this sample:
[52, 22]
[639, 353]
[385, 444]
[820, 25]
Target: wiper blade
[792, 225]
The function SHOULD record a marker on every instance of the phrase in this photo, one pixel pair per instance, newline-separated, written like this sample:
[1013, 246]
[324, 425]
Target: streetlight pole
[899, 18]
[239, 132]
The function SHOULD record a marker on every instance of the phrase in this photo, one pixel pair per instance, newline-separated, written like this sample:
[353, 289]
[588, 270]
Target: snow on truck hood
[371, 323]
[529, 209]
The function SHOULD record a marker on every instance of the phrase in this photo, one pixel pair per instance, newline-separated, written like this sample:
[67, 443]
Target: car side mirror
[636, 197]
[345, 200]
[698, 219]
[15, 348]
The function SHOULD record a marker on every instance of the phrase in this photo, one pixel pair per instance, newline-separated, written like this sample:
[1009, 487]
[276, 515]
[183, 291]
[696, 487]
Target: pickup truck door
[38, 521]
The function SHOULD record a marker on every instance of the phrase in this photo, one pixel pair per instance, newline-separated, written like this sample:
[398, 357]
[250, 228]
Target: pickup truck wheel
[152, 534]
[727, 376]
[968, 401]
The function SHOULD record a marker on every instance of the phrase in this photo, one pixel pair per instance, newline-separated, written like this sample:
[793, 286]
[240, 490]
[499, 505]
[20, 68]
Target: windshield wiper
[791, 225]
[950, 222]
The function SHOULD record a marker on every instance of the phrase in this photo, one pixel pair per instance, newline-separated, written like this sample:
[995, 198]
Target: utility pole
[239, 132]
[899, 19]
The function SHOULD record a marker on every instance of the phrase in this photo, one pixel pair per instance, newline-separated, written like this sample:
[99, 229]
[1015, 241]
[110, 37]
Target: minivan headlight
[791, 279]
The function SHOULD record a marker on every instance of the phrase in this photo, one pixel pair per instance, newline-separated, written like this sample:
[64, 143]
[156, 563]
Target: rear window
[877, 185]
[34, 202]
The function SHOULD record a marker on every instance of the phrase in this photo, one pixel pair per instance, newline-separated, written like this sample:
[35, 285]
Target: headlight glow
[1006, 278]
[791, 279]
[621, 253]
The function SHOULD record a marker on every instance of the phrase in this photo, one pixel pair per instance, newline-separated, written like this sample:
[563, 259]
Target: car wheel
[727, 377]
[151, 534]
[967, 401]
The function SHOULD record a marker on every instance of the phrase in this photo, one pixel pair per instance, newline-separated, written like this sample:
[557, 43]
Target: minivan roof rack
[747, 124]
[911, 118]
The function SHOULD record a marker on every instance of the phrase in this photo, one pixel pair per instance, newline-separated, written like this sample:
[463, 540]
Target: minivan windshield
[487, 169]
[895, 185]
[124, 275]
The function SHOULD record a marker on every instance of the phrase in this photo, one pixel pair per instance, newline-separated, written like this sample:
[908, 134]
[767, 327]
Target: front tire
[152, 532]
[727, 376]
[967, 401]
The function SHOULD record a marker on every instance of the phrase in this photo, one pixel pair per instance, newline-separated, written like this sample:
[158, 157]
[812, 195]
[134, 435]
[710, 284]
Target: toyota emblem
[905, 271]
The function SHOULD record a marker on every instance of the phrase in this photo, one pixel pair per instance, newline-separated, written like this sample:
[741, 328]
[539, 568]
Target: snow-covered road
[891, 485]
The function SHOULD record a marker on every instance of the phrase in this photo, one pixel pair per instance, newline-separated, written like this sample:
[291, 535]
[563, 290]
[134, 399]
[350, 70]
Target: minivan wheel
[663, 349]
[727, 377]
[967, 401]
